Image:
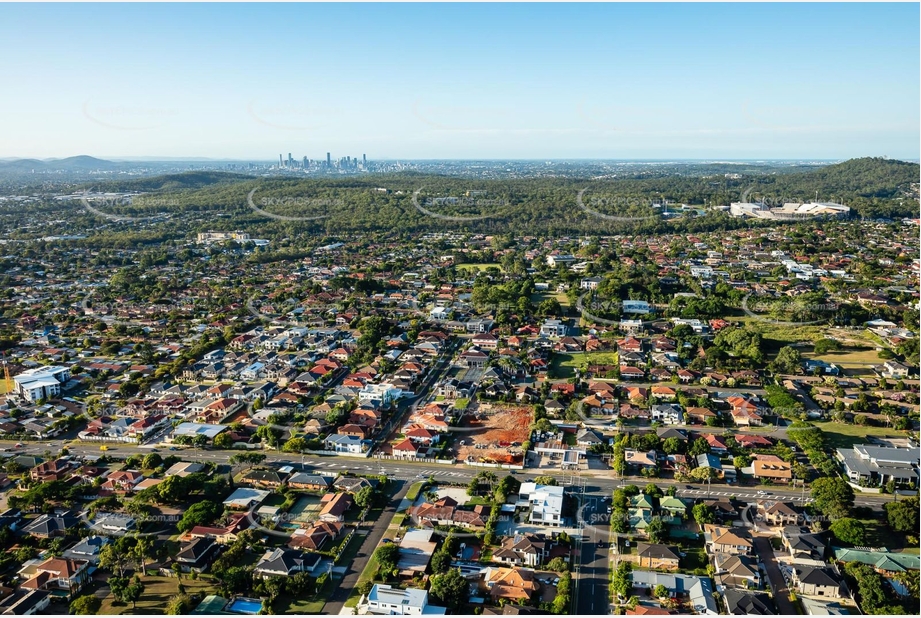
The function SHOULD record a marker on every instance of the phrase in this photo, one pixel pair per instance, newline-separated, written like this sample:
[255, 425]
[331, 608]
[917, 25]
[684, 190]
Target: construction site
[495, 434]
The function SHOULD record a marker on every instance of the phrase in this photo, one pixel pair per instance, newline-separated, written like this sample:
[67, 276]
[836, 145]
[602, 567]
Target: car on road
[173, 448]
[386, 541]
[18, 445]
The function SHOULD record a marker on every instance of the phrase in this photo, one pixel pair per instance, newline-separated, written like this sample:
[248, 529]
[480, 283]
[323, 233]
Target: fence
[478, 464]
[431, 460]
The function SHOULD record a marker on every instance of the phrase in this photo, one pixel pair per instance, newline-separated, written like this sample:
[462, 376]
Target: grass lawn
[157, 591]
[842, 435]
[479, 267]
[414, 490]
[877, 534]
[351, 549]
[461, 404]
[696, 558]
[366, 575]
[564, 365]
[850, 359]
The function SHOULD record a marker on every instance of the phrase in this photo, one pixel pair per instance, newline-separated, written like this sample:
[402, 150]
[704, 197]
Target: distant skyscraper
[305, 162]
[364, 159]
[281, 161]
[329, 162]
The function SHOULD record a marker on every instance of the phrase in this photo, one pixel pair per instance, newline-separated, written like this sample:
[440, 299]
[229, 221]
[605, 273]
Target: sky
[461, 81]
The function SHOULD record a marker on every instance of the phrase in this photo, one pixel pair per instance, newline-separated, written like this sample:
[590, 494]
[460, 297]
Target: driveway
[344, 590]
[775, 578]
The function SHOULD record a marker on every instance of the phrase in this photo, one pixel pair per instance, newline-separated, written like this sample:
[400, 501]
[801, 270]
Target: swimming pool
[243, 605]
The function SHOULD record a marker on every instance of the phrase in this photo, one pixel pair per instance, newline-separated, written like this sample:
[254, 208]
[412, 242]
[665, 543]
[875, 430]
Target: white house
[346, 444]
[546, 502]
[553, 328]
[389, 601]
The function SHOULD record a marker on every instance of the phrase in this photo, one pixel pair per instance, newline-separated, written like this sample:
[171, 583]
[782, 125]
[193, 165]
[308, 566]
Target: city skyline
[515, 82]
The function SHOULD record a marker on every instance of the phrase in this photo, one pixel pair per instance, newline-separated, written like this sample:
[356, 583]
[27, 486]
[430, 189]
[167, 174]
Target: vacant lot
[489, 436]
[842, 435]
[563, 365]
[157, 592]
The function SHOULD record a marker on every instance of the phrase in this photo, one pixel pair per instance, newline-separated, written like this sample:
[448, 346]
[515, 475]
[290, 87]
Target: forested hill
[872, 186]
[172, 182]
[418, 203]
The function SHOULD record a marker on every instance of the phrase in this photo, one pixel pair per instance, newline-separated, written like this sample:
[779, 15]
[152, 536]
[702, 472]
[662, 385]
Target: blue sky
[537, 81]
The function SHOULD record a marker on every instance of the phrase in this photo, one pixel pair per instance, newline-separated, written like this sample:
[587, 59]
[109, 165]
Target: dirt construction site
[495, 434]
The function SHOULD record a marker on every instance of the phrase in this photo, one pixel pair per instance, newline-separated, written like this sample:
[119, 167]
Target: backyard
[157, 592]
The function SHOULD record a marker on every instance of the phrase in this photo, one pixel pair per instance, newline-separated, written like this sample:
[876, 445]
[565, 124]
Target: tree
[450, 589]
[848, 530]
[558, 564]
[113, 558]
[545, 480]
[365, 497]
[653, 490]
[152, 461]
[660, 591]
[788, 360]
[703, 514]
[657, 530]
[833, 496]
[223, 440]
[673, 446]
[200, 514]
[704, 474]
[179, 605]
[902, 515]
[387, 555]
[295, 445]
[561, 602]
[441, 562]
[85, 605]
[622, 581]
[698, 447]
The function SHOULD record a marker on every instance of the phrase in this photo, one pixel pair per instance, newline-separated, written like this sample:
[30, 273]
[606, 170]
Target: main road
[602, 481]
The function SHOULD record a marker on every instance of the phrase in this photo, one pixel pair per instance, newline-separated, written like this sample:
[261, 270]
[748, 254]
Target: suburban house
[802, 543]
[736, 571]
[546, 502]
[655, 556]
[777, 471]
[316, 536]
[312, 482]
[777, 513]
[697, 590]
[742, 603]
[524, 550]
[51, 470]
[388, 601]
[818, 581]
[734, 541]
[56, 574]
[197, 555]
[346, 444]
[334, 507]
[510, 583]
[280, 562]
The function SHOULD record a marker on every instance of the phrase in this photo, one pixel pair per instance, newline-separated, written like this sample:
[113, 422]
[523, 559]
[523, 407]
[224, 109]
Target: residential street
[348, 583]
